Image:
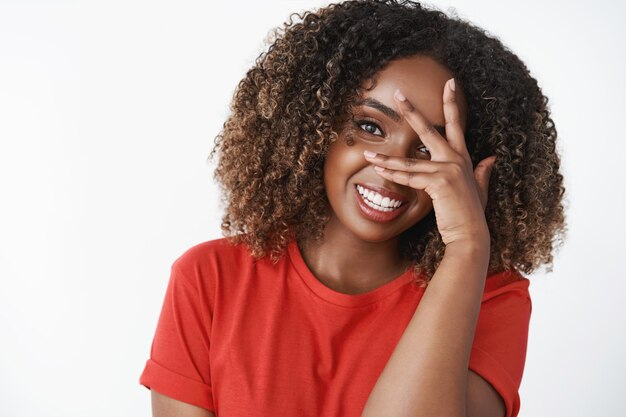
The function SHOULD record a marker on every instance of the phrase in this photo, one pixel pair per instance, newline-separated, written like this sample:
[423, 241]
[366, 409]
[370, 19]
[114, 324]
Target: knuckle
[453, 121]
[446, 180]
[439, 182]
[456, 168]
[460, 161]
[457, 160]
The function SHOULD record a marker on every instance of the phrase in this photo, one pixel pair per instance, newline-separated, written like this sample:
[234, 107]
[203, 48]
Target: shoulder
[214, 253]
[510, 282]
[204, 264]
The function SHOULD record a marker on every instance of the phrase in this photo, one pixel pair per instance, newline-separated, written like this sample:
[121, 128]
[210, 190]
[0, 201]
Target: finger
[454, 131]
[402, 164]
[417, 180]
[482, 173]
[435, 143]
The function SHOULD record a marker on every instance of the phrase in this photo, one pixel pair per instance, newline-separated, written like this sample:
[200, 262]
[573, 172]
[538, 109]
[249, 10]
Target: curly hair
[293, 102]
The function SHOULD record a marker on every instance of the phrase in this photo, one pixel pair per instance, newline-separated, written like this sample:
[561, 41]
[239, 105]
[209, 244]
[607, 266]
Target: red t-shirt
[241, 338]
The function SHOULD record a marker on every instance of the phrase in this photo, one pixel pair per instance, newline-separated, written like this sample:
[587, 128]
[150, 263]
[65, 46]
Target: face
[378, 126]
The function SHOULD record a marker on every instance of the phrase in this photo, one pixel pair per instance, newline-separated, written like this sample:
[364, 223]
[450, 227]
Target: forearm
[426, 374]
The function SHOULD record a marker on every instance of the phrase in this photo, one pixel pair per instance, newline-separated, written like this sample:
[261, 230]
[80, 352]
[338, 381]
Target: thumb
[482, 173]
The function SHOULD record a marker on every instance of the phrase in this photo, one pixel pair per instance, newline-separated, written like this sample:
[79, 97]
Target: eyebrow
[389, 112]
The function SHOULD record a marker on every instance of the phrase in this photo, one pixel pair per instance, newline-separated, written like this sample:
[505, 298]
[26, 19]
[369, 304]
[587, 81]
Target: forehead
[422, 80]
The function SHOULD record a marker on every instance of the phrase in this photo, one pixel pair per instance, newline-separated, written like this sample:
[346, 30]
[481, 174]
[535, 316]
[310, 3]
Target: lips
[384, 192]
[374, 214]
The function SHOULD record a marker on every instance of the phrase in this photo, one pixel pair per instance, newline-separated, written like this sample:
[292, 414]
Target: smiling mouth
[377, 201]
[387, 211]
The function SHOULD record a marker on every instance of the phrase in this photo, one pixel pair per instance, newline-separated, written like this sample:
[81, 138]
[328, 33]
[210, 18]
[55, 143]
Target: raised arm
[427, 374]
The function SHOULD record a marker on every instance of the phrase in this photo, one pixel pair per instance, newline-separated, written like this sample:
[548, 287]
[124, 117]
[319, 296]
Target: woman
[358, 285]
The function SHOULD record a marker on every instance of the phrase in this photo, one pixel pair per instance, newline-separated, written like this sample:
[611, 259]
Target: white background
[108, 110]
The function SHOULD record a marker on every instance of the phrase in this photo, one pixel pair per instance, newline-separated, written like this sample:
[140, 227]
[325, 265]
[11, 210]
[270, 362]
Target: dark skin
[358, 254]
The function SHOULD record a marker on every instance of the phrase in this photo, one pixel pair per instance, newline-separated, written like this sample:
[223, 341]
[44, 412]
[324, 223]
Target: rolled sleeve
[179, 357]
[498, 353]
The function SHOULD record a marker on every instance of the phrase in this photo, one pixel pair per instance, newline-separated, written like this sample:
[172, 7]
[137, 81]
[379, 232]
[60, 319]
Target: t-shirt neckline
[335, 297]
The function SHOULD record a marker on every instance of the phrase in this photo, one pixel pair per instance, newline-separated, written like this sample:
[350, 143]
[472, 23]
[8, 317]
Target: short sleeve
[499, 350]
[179, 357]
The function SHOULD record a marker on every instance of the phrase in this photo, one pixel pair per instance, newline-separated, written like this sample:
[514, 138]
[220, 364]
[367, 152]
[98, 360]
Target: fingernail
[379, 169]
[452, 86]
[369, 154]
[399, 95]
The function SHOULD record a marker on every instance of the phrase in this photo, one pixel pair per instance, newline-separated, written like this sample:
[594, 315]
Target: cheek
[342, 162]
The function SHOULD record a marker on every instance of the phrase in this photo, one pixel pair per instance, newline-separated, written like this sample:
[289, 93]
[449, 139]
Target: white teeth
[377, 201]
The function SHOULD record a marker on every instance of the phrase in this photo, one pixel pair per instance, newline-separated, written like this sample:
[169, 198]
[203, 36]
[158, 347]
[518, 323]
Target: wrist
[476, 246]
[469, 256]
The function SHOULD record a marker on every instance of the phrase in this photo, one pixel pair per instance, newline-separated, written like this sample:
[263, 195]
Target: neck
[348, 264]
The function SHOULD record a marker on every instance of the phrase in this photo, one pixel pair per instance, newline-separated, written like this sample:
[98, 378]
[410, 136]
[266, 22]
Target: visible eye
[360, 123]
[424, 150]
